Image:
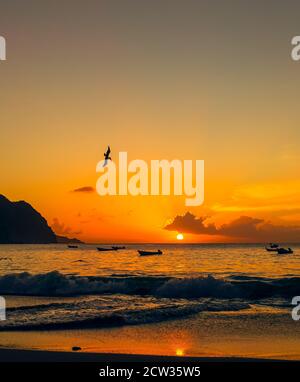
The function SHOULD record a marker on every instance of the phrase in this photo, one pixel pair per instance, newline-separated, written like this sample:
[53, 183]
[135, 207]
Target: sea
[194, 299]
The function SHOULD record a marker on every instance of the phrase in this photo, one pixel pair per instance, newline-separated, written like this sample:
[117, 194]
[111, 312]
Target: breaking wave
[57, 284]
[95, 302]
[109, 311]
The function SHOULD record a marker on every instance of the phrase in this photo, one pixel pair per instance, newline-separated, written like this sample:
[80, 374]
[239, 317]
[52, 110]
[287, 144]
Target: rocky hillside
[20, 223]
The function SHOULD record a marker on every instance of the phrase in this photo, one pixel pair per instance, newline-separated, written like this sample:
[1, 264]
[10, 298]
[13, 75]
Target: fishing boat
[72, 246]
[150, 253]
[271, 249]
[105, 249]
[284, 251]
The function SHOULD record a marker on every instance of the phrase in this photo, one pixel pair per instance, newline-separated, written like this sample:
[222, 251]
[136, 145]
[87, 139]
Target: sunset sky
[160, 79]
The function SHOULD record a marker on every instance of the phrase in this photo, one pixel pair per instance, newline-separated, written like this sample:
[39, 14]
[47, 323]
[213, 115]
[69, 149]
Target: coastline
[114, 309]
[16, 355]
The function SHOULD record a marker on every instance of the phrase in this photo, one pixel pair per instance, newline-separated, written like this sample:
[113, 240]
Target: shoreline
[21, 355]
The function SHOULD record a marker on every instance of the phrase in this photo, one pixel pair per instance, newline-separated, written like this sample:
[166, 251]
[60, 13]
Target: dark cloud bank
[244, 228]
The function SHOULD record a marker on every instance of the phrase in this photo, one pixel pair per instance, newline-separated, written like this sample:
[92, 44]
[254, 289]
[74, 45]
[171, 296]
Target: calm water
[178, 261]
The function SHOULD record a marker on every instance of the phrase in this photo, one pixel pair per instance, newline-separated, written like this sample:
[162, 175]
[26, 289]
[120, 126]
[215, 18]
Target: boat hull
[284, 252]
[271, 249]
[148, 253]
[105, 249]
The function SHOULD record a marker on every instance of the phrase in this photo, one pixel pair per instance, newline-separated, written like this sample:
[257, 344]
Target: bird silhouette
[106, 156]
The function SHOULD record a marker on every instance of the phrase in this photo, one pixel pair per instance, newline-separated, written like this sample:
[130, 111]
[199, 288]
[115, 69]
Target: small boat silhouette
[106, 249]
[116, 248]
[283, 251]
[72, 246]
[150, 253]
[271, 249]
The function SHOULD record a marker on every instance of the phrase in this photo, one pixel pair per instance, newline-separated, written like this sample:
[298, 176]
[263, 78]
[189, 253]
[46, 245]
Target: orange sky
[185, 80]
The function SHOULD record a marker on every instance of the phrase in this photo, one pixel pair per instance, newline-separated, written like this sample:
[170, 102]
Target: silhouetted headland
[20, 223]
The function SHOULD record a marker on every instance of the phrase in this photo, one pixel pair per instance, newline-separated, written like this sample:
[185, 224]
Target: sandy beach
[203, 337]
[13, 355]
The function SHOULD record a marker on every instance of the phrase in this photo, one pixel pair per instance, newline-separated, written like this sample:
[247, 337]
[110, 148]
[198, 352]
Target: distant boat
[283, 251]
[113, 248]
[271, 249]
[106, 249]
[72, 246]
[150, 253]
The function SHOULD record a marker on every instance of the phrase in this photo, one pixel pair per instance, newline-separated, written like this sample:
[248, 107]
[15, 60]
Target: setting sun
[180, 352]
[179, 236]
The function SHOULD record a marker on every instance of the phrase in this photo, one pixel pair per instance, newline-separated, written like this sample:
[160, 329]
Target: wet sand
[248, 335]
[13, 355]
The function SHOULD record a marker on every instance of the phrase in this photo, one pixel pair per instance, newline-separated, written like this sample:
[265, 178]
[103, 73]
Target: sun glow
[179, 236]
[180, 352]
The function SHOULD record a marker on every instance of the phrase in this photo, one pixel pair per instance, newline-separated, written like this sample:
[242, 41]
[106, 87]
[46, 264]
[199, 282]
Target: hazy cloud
[262, 197]
[85, 189]
[62, 229]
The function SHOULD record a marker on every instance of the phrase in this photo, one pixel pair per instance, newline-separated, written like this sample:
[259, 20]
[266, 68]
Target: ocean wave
[197, 287]
[111, 311]
[57, 284]
[98, 302]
